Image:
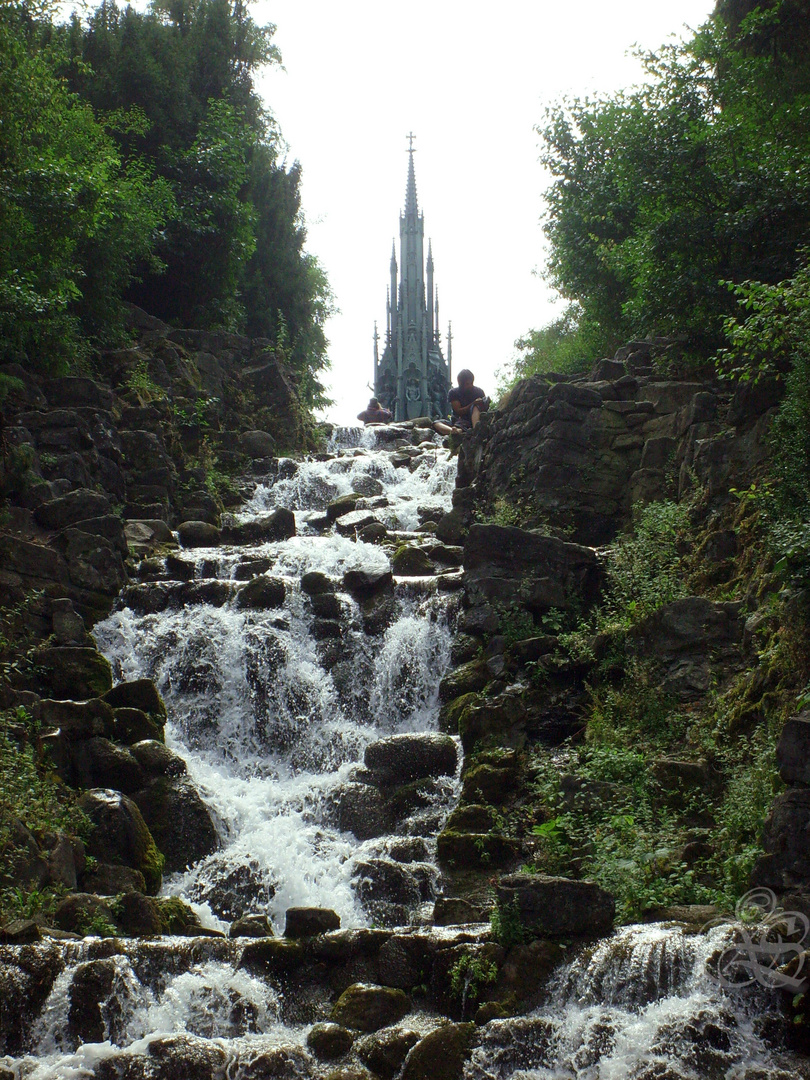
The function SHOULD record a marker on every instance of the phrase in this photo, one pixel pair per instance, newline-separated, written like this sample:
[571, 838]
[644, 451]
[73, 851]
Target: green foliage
[696, 177]
[470, 975]
[506, 925]
[75, 220]
[566, 345]
[28, 790]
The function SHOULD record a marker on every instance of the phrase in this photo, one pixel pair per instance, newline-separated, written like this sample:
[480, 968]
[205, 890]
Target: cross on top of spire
[410, 137]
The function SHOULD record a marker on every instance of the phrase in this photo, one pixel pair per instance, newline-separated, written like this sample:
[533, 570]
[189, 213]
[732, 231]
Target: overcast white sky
[470, 79]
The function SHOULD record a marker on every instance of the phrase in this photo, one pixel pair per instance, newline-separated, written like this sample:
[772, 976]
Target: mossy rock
[440, 1055]
[411, 561]
[468, 679]
[132, 726]
[73, 672]
[344, 504]
[139, 694]
[465, 850]
[329, 1041]
[121, 835]
[485, 783]
[473, 817]
[366, 1007]
[451, 712]
[273, 955]
[501, 719]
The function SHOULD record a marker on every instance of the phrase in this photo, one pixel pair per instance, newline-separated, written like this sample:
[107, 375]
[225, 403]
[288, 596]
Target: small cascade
[640, 1005]
[272, 709]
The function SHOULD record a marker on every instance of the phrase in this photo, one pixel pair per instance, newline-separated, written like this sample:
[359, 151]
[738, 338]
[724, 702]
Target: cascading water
[272, 711]
[641, 1005]
[270, 722]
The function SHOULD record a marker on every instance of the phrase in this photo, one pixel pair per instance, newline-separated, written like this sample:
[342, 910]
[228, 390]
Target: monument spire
[411, 376]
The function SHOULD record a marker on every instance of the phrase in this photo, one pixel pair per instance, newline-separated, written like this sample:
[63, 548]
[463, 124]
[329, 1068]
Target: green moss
[176, 916]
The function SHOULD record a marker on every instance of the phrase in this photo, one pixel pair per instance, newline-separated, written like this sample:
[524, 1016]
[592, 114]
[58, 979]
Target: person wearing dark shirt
[375, 413]
[467, 401]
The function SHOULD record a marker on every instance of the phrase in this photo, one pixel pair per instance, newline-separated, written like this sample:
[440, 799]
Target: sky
[470, 80]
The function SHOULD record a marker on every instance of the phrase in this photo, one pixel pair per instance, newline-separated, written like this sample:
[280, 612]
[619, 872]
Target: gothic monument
[412, 377]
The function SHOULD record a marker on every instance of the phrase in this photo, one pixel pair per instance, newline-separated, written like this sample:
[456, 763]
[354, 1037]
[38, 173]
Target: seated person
[375, 413]
[467, 401]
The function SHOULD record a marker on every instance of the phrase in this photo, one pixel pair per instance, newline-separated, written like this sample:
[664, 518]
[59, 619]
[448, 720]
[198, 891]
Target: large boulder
[68, 509]
[793, 750]
[302, 922]
[261, 593]
[510, 566]
[120, 834]
[400, 758]
[784, 838]
[344, 504]
[440, 1055]
[257, 444]
[557, 907]
[179, 821]
[366, 1007]
[138, 694]
[412, 561]
[194, 534]
[280, 525]
[73, 672]
[385, 1050]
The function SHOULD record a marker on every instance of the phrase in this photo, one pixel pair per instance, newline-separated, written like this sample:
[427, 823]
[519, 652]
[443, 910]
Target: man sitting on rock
[375, 413]
[467, 401]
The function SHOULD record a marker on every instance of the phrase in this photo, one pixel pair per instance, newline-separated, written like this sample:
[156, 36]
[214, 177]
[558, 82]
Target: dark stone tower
[412, 377]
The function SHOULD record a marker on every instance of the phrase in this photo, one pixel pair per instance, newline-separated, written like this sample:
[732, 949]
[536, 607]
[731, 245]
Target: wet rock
[470, 678]
[77, 719]
[374, 533]
[257, 444]
[327, 606]
[134, 726]
[156, 759]
[362, 583]
[515, 566]
[400, 758]
[452, 911]
[409, 561]
[351, 524]
[345, 504]
[94, 1007]
[329, 1041]
[378, 612]
[252, 926]
[194, 534]
[107, 879]
[551, 906]
[73, 507]
[366, 1007]
[323, 629]
[261, 593]
[385, 1050]
[99, 763]
[178, 820]
[368, 486]
[451, 712]
[83, 913]
[407, 849]
[501, 719]
[139, 694]
[120, 834]
[472, 817]
[280, 525]
[72, 672]
[440, 1055]
[183, 1057]
[251, 568]
[280, 1063]
[526, 971]
[389, 890]
[26, 979]
[784, 837]
[301, 922]
[793, 750]
[314, 583]
[463, 850]
[20, 932]
[137, 915]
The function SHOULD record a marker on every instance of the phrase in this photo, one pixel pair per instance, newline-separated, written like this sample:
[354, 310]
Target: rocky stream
[302, 683]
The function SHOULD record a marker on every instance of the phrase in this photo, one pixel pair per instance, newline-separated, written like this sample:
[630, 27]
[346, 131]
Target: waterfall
[640, 1005]
[272, 720]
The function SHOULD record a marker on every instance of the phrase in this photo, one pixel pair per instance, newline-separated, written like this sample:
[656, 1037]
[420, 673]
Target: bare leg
[441, 427]
[475, 415]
